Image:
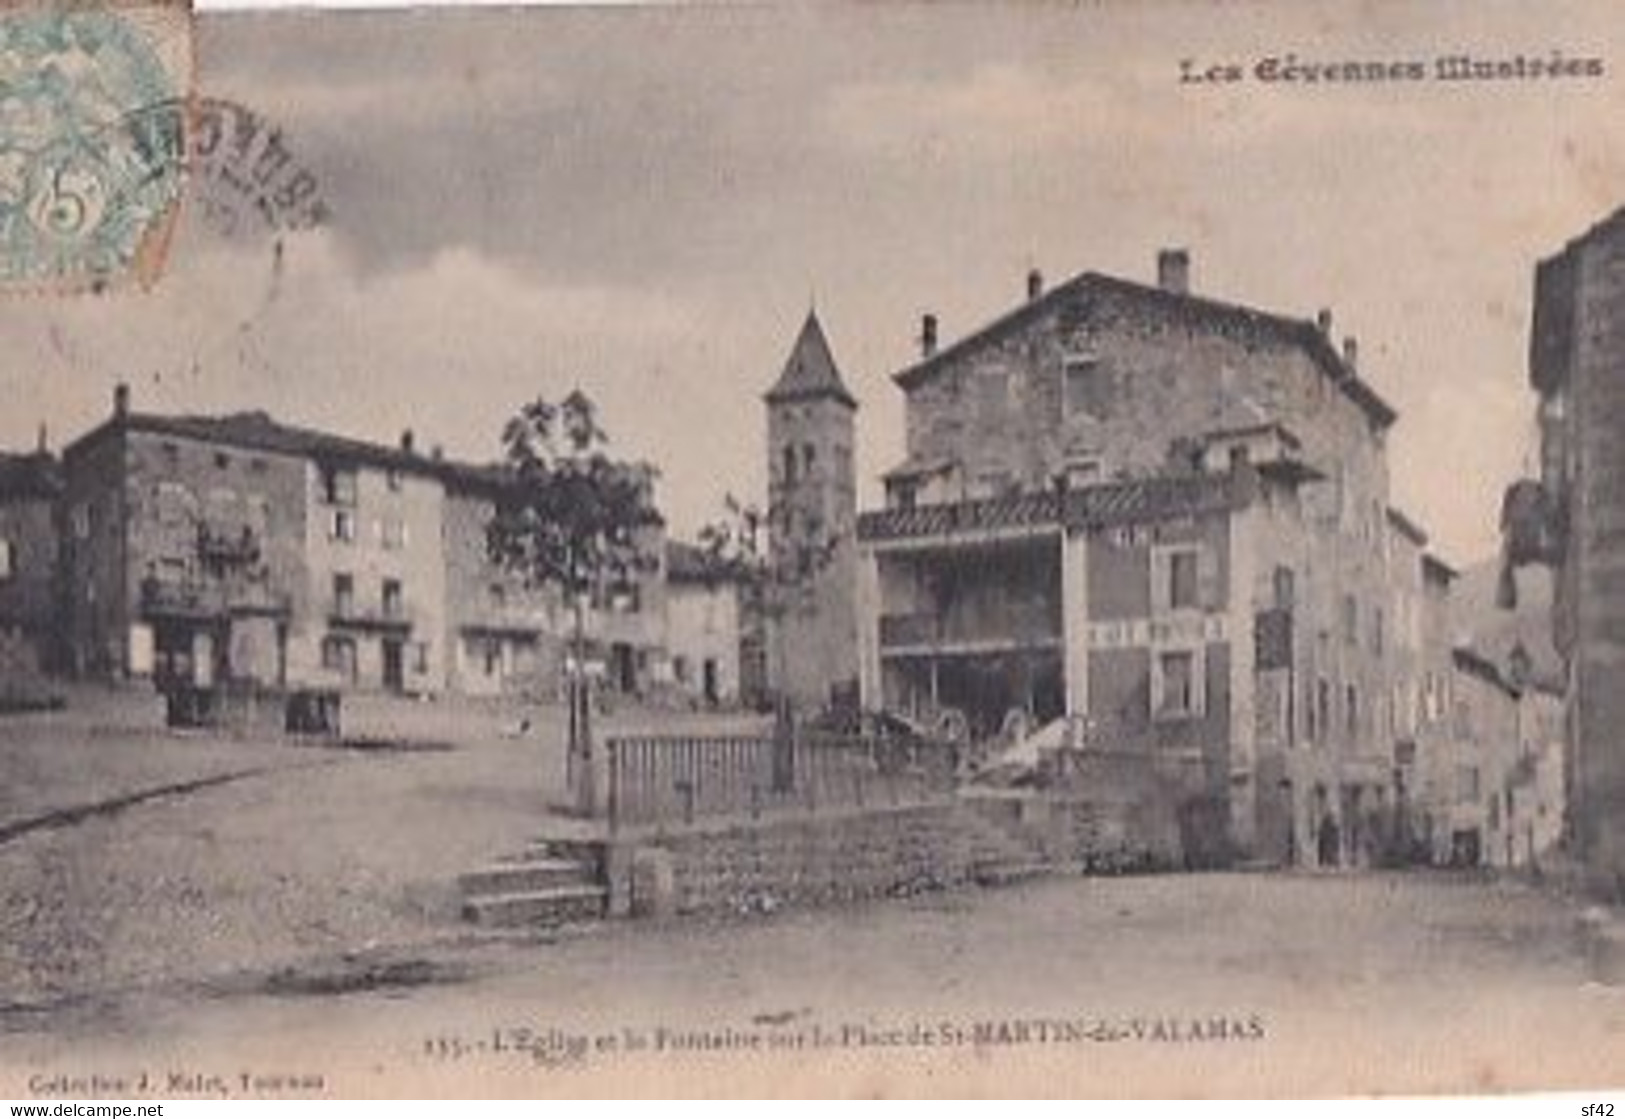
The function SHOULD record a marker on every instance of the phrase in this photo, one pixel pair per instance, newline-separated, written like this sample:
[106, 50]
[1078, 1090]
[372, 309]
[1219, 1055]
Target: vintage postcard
[841, 550]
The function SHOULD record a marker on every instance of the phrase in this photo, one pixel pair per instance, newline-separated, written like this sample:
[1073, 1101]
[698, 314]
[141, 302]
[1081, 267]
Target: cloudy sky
[644, 201]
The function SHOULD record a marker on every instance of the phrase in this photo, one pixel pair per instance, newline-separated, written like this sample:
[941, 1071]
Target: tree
[571, 517]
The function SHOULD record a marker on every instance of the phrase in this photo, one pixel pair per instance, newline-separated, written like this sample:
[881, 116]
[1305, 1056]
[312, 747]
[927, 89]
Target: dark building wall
[1595, 593]
[179, 490]
[134, 504]
[30, 594]
[94, 549]
[1189, 751]
[174, 486]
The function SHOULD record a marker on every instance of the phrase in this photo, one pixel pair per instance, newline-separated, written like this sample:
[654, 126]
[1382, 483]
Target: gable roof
[1301, 333]
[257, 431]
[810, 372]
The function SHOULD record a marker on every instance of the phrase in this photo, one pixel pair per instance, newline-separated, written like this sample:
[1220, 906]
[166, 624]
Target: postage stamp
[90, 177]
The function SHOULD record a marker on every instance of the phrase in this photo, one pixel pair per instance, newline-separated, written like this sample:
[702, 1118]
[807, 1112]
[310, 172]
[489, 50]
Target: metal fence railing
[678, 779]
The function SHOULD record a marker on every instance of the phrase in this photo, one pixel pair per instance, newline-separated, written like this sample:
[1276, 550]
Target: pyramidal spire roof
[810, 372]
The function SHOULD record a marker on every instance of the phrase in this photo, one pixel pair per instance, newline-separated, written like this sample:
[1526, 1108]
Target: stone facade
[1107, 386]
[208, 549]
[504, 637]
[374, 545]
[183, 557]
[1577, 365]
[30, 642]
[812, 500]
[703, 630]
[1431, 780]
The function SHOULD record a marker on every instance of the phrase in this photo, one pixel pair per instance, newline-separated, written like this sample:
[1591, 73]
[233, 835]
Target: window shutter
[1199, 682]
[1158, 685]
[1207, 579]
[1161, 581]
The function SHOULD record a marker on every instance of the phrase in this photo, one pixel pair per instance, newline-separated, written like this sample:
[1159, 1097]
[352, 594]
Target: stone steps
[547, 884]
[1002, 850]
[524, 873]
[555, 905]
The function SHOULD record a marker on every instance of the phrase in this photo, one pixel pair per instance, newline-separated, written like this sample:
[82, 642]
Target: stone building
[812, 515]
[208, 549]
[1484, 744]
[704, 628]
[30, 641]
[183, 552]
[505, 636]
[1166, 518]
[1573, 519]
[1431, 778]
[204, 549]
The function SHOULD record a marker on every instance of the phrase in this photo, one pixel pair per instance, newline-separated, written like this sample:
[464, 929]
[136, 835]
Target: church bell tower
[813, 513]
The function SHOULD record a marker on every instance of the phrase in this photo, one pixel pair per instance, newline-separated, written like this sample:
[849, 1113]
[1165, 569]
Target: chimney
[1351, 352]
[1323, 320]
[407, 441]
[928, 335]
[1174, 271]
[1035, 284]
[121, 400]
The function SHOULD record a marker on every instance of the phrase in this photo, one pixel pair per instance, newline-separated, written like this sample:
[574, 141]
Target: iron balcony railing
[207, 598]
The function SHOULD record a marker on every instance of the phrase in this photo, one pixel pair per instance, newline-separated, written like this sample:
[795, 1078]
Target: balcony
[389, 617]
[1014, 515]
[226, 547]
[211, 598]
[1021, 627]
[515, 618]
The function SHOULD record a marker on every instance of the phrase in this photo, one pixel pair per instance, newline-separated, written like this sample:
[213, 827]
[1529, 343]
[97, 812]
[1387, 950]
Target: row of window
[339, 654]
[391, 596]
[340, 484]
[222, 459]
[342, 527]
[1399, 714]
